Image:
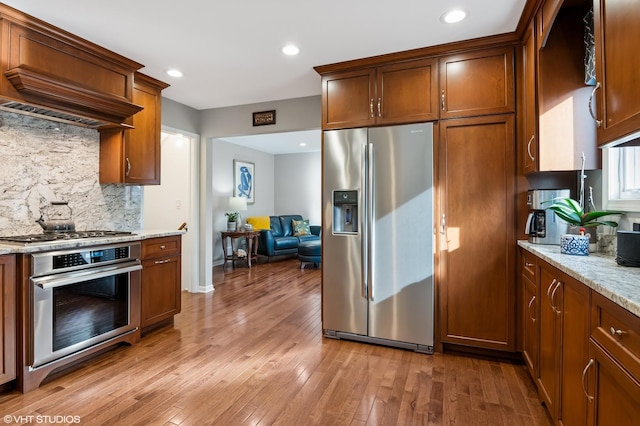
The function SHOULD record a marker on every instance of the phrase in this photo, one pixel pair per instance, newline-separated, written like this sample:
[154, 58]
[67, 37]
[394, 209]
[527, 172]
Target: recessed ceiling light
[453, 16]
[303, 144]
[174, 72]
[290, 50]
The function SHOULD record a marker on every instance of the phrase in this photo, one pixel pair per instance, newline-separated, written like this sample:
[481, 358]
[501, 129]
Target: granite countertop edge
[599, 272]
[84, 242]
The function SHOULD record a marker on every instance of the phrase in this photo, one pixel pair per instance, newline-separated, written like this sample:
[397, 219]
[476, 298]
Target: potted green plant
[572, 212]
[232, 219]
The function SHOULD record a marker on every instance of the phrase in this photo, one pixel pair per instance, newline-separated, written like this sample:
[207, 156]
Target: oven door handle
[53, 281]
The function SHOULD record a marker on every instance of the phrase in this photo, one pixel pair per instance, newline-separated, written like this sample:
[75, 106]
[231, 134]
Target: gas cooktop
[57, 236]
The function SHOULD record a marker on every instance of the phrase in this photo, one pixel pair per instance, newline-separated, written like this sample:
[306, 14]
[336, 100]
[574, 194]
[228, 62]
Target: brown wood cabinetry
[392, 94]
[617, 65]
[613, 372]
[529, 142]
[575, 350]
[530, 312]
[161, 279]
[133, 156]
[477, 83]
[8, 303]
[548, 379]
[477, 296]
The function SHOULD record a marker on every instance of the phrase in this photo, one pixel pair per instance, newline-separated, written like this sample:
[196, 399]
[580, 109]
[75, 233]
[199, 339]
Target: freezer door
[344, 301]
[401, 265]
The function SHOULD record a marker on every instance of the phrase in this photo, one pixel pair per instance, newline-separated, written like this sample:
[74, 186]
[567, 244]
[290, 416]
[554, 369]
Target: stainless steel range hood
[50, 73]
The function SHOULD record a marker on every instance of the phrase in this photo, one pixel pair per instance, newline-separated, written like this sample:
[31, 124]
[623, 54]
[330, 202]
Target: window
[621, 178]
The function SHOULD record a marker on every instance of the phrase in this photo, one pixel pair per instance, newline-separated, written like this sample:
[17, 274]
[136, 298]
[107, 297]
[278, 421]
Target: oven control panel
[68, 260]
[83, 258]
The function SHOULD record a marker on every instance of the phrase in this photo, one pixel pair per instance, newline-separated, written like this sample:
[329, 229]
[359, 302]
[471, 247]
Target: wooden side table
[252, 239]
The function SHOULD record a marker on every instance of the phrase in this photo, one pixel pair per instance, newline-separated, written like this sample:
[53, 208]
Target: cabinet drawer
[617, 331]
[164, 246]
[528, 265]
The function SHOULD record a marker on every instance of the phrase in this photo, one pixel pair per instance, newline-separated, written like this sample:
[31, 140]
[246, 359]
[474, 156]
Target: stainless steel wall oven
[82, 298]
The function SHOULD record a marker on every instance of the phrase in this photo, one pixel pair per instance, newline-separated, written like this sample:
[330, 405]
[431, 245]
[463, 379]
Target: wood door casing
[476, 179]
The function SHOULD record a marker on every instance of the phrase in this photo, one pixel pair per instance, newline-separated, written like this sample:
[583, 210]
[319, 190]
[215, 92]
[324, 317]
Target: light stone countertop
[12, 248]
[621, 284]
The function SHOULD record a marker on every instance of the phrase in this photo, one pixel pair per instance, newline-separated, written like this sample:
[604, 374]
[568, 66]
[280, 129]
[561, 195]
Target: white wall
[223, 154]
[298, 185]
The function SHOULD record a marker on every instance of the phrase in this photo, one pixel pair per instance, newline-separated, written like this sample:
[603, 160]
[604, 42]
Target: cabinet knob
[615, 332]
[162, 247]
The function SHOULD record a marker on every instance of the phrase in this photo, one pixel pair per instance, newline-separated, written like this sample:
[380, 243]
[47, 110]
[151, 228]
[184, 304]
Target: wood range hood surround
[50, 73]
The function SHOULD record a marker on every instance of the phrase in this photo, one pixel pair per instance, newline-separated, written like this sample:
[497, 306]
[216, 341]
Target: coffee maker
[543, 226]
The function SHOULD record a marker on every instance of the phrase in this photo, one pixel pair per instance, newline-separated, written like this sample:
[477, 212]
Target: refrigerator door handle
[371, 236]
[364, 239]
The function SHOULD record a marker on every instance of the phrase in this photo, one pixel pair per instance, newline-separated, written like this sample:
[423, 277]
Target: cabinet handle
[379, 107]
[531, 303]
[128, 166]
[162, 247]
[158, 262]
[442, 100]
[443, 225]
[615, 332]
[549, 291]
[553, 298]
[529, 148]
[584, 375]
[593, 115]
[371, 108]
[528, 265]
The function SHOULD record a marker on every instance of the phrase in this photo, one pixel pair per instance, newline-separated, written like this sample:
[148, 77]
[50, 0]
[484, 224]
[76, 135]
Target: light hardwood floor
[252, 353]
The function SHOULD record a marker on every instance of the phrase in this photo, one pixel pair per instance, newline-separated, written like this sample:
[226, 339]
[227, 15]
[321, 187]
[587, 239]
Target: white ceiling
[230, 53]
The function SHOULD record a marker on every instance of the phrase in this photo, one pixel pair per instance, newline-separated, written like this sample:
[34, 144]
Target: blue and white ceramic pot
[577, 245]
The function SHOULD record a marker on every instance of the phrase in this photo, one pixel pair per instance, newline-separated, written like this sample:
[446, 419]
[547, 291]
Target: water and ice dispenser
[345, 212]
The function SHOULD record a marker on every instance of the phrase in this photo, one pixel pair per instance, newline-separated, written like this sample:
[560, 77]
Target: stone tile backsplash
[43, 161]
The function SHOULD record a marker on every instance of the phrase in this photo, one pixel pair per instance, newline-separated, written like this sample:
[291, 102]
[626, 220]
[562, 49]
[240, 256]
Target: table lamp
[238, 204]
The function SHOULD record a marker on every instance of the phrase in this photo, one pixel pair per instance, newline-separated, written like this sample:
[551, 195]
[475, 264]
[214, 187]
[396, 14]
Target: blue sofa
[279, 240]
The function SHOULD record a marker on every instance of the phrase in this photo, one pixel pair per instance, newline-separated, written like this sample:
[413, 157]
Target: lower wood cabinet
[161, 280]
[8, 318]
[588, 349]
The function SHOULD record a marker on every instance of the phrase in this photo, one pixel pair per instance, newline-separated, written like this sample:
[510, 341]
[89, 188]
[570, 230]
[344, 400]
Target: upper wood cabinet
[617, 63]
[546, 16]
[477, 83]
[133, 156]
[399, 93]
[529, 141]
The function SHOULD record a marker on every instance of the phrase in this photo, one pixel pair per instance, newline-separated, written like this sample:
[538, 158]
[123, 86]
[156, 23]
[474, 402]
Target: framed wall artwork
[244, 180]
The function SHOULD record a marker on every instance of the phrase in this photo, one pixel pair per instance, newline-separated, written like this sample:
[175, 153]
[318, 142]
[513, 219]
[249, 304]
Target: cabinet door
[477, 83]
[617, 65]
[575, 350]
[348, 99]
[477, 260]
[529, 142]
[160, 289]
[407, 92]
[616, 393]
[550, 332]
[530, 319]
[142, 149]
[546, 16]
[8, 318]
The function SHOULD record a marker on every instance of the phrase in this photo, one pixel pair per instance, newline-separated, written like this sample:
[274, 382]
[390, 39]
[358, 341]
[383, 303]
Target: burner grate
[57, 236]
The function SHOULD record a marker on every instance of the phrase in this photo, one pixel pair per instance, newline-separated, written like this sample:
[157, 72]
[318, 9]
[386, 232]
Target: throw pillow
[259, 222]
[300, 227]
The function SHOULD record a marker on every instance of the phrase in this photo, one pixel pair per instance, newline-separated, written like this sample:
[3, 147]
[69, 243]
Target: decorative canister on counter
[577, 245]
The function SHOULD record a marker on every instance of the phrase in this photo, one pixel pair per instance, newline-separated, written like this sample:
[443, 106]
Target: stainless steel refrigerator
[378, 235]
